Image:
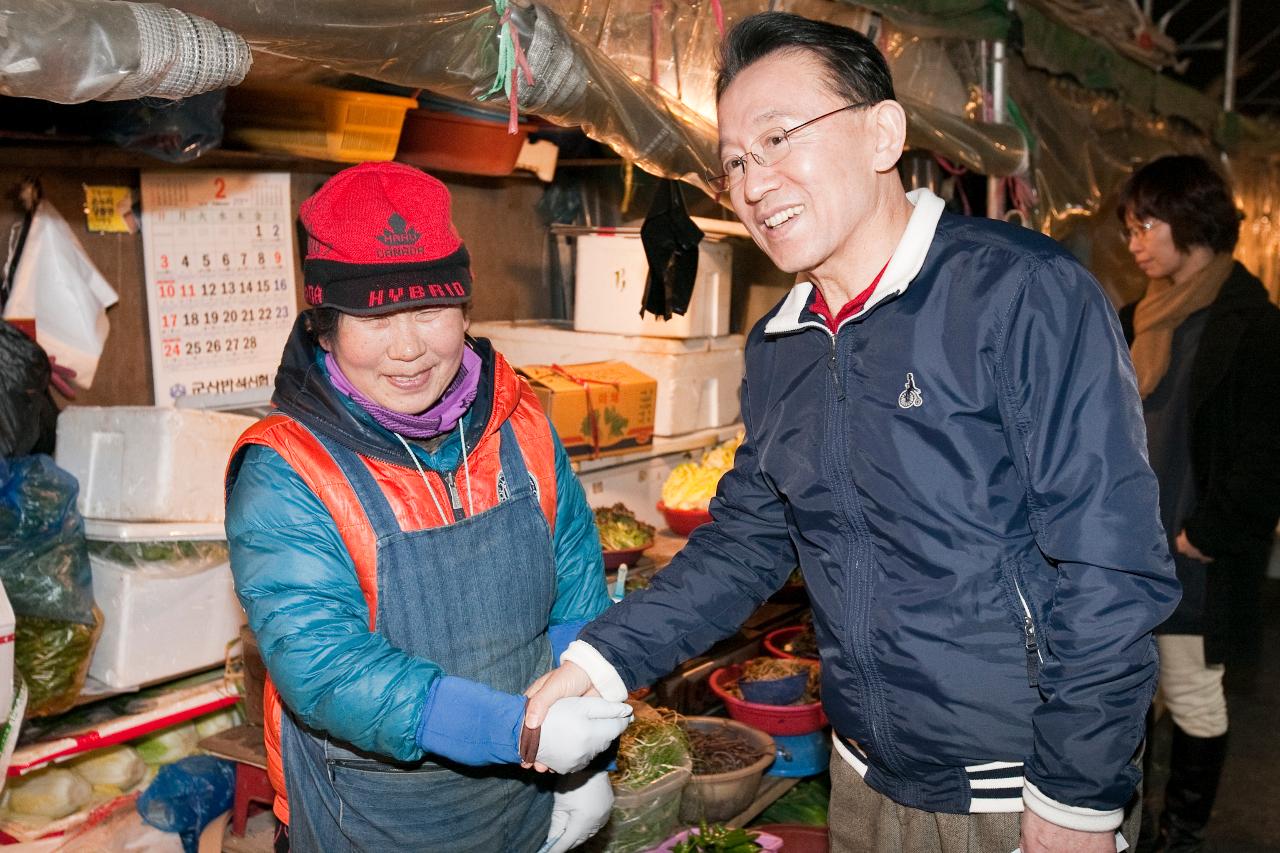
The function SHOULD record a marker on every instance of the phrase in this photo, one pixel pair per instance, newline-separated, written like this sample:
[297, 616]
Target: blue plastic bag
[186, 795]
[44, 565]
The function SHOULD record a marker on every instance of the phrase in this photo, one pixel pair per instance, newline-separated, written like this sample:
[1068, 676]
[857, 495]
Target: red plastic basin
[773, 719]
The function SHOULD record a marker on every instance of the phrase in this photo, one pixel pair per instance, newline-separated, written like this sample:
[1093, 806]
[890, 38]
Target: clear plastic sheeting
[576, 84]
[71, 51]
[1088, 143]
[1256, 180]
[1119, 23]
[636, 76]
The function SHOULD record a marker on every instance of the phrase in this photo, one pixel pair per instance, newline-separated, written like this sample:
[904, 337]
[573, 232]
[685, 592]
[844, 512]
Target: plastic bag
[174, 131]
[27, 413]
[162, 558]
[57, 284]
[44, 565]
[187, 795]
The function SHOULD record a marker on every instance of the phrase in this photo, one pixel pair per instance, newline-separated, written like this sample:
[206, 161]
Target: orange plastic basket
[317, 122]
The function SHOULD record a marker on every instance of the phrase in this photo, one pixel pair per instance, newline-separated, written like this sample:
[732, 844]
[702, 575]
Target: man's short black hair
[1188, 193]
[855, 67]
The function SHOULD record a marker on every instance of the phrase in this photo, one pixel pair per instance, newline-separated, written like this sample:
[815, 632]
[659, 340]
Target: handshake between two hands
[566, 723]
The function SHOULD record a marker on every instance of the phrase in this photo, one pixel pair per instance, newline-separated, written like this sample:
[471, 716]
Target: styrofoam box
[158, 626]
[609, 280]
[141, 463]
[698, 378]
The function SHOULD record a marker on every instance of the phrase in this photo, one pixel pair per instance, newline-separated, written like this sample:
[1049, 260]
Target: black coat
[1235, 452]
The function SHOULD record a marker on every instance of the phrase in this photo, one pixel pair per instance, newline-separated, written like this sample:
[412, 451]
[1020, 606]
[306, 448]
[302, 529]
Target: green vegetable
[118, 766]
[717, 838]
[651, 747]
[620, 530]
[132, 553]
[50, 793]
[805, 803]
[169, 745]
[53, 657]
[218, 721]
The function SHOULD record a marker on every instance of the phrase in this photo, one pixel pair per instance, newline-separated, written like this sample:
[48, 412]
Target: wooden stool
[244, 746]
[252, 786]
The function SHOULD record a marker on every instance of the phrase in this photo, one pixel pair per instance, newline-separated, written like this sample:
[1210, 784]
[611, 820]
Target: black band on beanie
[376, 288]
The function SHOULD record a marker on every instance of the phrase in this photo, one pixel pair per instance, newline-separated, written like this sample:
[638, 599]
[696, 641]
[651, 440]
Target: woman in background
[1205, 342]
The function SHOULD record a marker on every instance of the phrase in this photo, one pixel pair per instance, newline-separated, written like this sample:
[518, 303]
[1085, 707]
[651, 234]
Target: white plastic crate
[161, 618]
[610, 270]
[698, 378]
[141, 463]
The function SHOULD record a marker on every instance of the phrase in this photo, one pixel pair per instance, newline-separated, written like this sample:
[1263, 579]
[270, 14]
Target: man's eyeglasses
[769, 148]
[1136, 232]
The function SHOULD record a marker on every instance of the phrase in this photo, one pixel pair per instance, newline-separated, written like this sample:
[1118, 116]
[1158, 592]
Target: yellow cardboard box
[601, 408]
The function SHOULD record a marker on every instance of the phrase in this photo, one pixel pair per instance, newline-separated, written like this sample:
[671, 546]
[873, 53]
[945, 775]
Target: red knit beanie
[379, 238]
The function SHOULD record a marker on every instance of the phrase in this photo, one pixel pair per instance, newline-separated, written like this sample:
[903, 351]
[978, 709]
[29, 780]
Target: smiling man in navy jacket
[943, 430]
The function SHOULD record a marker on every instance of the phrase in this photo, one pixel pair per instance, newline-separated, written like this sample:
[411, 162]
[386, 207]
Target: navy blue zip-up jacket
[961, 474]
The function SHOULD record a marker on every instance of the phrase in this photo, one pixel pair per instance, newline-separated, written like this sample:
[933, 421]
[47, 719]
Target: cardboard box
[599, 409]
[698, 378]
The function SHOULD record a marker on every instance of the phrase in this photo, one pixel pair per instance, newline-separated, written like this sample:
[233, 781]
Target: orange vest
[406, 492]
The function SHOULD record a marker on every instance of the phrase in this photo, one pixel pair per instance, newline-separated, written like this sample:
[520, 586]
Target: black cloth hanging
[670, 240]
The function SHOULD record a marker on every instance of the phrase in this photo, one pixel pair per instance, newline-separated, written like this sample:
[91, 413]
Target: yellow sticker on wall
[109, 209]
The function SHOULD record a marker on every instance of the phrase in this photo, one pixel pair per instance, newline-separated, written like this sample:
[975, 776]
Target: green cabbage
[169, 745]
[53, 792]
[118, 766]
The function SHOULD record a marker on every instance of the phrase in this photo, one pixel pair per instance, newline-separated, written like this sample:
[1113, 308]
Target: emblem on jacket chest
[910, 396]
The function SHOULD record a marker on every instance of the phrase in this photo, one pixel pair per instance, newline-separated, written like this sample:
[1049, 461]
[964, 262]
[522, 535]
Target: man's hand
[567, 680]
[1186, 549]
[1041, 836]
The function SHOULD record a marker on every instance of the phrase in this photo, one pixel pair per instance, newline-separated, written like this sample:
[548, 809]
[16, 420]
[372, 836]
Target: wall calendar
[221, 294]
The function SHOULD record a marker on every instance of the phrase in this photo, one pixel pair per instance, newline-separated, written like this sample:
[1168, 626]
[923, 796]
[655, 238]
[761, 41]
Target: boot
[1195, 766]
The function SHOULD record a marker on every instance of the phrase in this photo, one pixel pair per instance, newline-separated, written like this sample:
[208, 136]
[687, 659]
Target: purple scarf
[439, 418]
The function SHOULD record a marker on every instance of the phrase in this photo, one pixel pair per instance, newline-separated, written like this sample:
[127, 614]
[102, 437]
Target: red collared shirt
[853, 306]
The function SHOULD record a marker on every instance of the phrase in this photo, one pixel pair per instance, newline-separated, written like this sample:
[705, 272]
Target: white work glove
[582, 804]
[579, 728]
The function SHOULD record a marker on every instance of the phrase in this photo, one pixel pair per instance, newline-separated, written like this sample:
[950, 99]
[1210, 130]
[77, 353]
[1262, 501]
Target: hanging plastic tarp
[1087, 145]
[1048, 45]
[635, 75]
[71, 51]
[968, 19]
[1120, 24]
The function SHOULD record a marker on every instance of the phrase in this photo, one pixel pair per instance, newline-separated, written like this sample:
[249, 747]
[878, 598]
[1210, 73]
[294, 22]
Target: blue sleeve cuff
[471, 723]
[561, 636]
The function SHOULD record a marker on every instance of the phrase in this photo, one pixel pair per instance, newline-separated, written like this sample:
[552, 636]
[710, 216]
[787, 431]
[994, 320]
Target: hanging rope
[511, 62]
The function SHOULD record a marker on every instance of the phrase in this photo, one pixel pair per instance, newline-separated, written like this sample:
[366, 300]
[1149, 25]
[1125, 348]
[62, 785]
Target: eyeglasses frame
[724, 178]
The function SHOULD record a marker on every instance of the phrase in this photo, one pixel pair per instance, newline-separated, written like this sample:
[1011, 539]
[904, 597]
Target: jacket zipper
[1034, 658]
[860, 643]
[455, 500]
[833, 366]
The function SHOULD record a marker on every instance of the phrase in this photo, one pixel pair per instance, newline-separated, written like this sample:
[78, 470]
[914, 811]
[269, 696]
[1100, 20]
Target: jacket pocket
[1020, 608]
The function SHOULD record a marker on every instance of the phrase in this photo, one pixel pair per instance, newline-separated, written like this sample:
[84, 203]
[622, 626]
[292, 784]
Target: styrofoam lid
[103, 530]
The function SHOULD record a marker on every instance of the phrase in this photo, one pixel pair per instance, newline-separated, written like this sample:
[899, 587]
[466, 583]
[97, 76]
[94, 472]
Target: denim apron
[474, 597]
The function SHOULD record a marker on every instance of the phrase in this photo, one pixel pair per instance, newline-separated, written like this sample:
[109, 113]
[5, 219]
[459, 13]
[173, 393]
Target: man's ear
[889, 125]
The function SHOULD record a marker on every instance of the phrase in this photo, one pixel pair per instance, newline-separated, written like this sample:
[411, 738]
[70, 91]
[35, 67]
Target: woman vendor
[412, 549]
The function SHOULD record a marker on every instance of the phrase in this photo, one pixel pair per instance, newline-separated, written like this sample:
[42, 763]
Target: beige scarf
[1163, 309]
